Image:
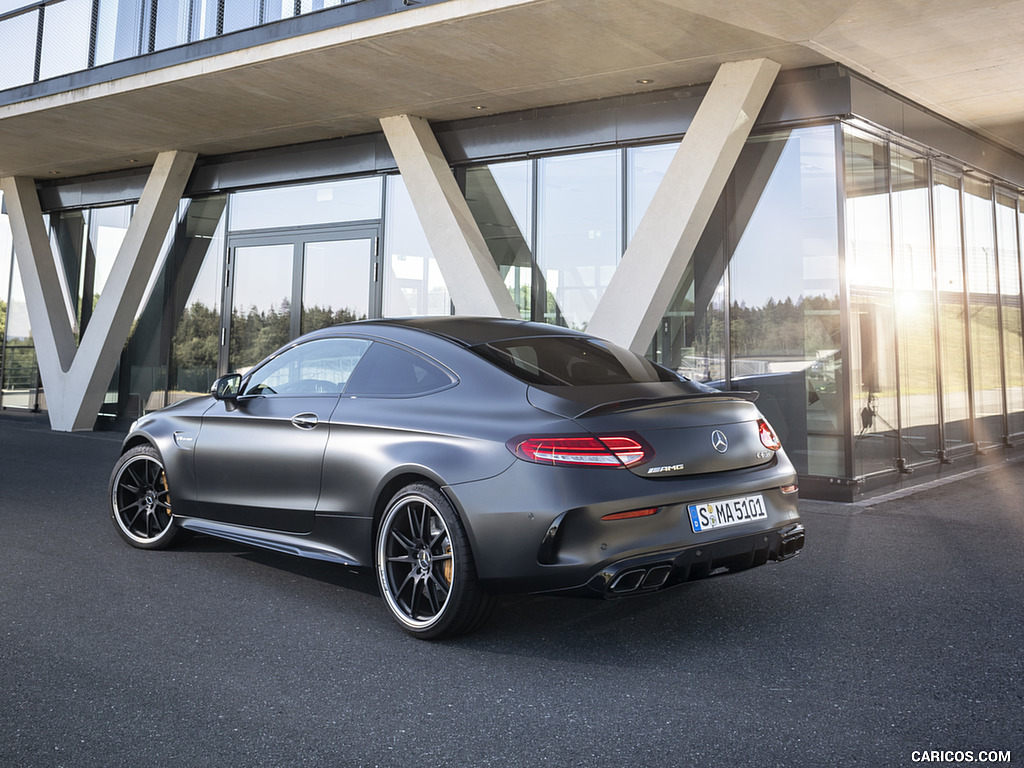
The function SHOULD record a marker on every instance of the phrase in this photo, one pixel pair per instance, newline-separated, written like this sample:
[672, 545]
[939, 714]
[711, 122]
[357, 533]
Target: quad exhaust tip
[781, 545]
[640, 578]
[791, 542]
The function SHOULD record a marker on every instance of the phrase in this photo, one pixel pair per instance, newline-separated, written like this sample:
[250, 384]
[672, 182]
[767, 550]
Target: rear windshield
[571, 361]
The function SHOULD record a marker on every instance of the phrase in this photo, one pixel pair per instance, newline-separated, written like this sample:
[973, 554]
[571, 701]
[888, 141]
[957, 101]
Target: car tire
[140, 500]
[425, 566]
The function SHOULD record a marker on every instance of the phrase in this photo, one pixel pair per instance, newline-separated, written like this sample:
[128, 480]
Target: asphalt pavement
[895, 639]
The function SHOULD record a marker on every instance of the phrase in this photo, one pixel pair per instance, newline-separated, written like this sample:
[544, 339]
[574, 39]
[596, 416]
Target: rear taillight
[599, 451]
[768, 437]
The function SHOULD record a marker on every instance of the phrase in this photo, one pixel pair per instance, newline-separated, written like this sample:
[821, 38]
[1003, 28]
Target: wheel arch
[399, 480]
[133, 441]
[176, 463]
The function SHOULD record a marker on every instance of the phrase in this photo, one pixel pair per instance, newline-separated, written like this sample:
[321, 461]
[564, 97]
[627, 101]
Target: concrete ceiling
[464, 58]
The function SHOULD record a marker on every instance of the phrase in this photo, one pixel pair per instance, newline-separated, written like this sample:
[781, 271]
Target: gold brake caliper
[167, 492]
[449, 564]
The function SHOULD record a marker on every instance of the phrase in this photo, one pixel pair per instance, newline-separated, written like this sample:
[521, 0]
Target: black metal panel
[108, 189]
[661, 115]
[807, 94]
[607, 122]
[881, 107]
[283, 165]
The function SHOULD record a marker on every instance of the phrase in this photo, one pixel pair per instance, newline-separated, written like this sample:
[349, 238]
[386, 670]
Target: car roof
[468, 330]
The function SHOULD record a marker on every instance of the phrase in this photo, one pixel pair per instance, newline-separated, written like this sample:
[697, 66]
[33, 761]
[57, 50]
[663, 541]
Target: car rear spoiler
[640, 403]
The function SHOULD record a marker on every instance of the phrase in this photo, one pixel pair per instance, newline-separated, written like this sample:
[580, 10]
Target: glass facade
[914, 309]
[59, 37]
[63, 48]
[759, 306]
[982, 298]
[6, 259]
[579, 241]
[834, 277]
[555, 225]
[193, 296]
[241, 274]
[413, 284]
[933, 269]
[869, 273]
[21, 387]
[868, 290]
[952, 303]
[18, 53]
[260, 302]
[18, 374]
[307, 205]
[501, 197]
[1008, 249]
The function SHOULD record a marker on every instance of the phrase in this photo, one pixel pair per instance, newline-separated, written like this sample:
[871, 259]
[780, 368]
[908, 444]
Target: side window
[317, 367]
[387, 371]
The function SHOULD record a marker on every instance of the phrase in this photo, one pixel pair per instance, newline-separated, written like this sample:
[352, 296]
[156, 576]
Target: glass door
[281, 285]
[259, 315]
[338, 284]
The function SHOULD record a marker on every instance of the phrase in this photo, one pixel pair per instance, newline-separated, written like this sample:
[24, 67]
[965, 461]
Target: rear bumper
[650, 573]
[543, 530]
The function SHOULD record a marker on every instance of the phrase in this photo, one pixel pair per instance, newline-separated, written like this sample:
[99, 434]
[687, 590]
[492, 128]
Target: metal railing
[59, 37]
[20, 377]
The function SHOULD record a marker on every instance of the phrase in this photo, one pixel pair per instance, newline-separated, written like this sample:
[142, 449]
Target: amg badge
[672, 468]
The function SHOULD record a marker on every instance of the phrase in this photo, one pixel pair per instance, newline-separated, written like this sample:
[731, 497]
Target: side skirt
[288, 543]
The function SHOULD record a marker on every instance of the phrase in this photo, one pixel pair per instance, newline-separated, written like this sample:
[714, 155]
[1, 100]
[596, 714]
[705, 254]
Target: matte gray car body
[313, 473]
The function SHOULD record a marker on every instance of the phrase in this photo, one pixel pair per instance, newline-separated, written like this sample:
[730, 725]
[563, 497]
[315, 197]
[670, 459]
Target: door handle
[305, 420]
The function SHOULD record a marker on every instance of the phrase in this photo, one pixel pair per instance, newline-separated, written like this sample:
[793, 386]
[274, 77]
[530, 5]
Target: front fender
[173, 432]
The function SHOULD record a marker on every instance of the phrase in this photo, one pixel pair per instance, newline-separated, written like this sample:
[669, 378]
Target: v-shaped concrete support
[644, 283]
[76, 379]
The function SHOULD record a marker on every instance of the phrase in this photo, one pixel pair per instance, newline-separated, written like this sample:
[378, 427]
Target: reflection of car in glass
[464, 457]
[823, 373]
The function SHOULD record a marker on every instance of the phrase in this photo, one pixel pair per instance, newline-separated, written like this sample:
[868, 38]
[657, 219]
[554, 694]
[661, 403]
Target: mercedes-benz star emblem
[719, 441]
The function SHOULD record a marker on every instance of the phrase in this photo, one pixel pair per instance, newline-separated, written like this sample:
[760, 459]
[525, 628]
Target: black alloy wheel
[425, 568]
[140, 500]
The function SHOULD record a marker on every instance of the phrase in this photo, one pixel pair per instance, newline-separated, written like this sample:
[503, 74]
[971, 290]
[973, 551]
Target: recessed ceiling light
[479, 106]
[645, 81]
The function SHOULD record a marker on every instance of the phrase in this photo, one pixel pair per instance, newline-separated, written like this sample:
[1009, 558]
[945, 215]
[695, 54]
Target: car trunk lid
[691, 433]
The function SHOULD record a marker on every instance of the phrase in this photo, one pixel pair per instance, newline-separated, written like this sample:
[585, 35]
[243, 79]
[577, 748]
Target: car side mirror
[227, 387]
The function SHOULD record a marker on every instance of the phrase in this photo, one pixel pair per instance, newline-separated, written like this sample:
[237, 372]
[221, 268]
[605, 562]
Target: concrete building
[820, 201]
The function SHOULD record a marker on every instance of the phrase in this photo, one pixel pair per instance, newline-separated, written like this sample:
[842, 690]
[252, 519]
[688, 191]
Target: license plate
[711, 515]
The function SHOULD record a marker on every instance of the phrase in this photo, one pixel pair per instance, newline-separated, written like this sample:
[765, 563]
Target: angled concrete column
[76, 380]
[644, 283]
[455, 239]
[52, 333]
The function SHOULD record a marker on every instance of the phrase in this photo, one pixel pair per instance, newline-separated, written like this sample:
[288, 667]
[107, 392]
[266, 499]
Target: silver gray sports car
[461, 458]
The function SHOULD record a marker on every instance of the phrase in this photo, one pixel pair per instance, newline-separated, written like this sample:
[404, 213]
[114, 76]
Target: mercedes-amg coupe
[461, 458]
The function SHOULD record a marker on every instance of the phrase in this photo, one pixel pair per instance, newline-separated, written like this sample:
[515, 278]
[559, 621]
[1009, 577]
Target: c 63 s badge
[671, 468]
